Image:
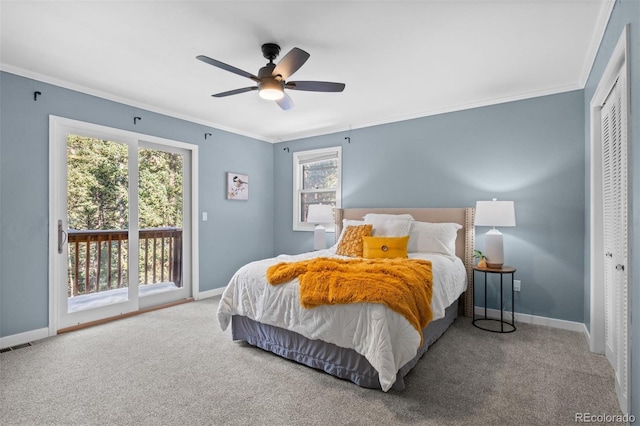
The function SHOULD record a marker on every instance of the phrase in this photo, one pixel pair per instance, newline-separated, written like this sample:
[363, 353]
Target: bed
[367, 343]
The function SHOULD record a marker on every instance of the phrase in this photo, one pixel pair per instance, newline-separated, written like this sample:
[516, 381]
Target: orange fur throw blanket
[403, 285]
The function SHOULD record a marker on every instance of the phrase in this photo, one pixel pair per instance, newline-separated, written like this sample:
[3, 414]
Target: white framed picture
[237, 186]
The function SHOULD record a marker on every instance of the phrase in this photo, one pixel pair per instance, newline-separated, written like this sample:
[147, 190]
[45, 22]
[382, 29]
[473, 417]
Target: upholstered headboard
[464, 243]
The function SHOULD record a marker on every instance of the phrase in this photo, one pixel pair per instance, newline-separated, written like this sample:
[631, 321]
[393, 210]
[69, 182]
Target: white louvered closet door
[614, 175]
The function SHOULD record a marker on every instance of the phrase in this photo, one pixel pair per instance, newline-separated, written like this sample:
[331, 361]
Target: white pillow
[389, 225]
[374, 216]
[433, 237]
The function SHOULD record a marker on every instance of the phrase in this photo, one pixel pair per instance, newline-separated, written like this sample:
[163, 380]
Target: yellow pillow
[351, 242]
[385, 247]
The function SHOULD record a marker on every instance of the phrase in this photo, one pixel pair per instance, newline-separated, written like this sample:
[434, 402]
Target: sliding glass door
[121, 207]
[164, 229]
[97, 227]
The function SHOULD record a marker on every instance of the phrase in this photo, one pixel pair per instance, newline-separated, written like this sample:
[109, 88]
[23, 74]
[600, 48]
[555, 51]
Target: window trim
[303, 157]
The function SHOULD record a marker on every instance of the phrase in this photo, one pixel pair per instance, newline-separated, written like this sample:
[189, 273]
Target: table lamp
[494, 213]
[319, 214]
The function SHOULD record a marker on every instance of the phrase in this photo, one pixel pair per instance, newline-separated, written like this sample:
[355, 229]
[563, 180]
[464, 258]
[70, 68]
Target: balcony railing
[98, 260]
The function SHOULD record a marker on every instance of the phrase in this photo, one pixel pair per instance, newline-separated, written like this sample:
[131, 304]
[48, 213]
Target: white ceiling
[399, 59]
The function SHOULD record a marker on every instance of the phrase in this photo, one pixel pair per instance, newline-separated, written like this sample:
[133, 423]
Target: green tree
[98, 199]
[160, 189]
[97, 183]
[97, 186]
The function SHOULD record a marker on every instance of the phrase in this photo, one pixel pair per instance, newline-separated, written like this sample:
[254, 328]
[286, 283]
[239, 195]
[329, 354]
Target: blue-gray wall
[529, 151]
[24, 192]
[533, 152]
[625, 12]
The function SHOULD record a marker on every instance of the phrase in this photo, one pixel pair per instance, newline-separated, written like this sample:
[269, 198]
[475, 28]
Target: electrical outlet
[516, 285]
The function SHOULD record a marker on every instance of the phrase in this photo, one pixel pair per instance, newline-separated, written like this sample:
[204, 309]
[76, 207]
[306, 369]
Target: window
[316, 180]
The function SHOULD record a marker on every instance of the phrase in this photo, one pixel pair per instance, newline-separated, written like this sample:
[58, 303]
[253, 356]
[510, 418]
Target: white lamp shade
[495, 213]
[320, 213]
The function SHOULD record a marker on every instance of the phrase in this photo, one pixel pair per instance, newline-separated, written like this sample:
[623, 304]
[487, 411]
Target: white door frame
[617, 65]
[57, 192]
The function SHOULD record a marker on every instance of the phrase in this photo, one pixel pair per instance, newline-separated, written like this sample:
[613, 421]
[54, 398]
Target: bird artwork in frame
[237, 186]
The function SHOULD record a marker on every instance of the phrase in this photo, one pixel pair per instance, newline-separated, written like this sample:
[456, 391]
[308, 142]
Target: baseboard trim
[127, 315]
[210, 293]
[535, 320]
[587, 335]
[22, 338]
[30, 336]
[42, 333]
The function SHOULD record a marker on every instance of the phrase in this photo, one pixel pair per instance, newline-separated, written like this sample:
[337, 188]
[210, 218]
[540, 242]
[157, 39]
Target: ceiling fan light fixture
[271, 90]
[272, 77]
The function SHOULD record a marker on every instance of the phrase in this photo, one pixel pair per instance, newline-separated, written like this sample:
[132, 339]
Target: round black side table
[477, 322]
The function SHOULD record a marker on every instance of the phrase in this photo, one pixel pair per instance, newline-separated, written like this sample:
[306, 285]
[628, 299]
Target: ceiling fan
[272, 78]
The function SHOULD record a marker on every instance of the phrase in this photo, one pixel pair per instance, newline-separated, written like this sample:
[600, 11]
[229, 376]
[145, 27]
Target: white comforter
[385, 338]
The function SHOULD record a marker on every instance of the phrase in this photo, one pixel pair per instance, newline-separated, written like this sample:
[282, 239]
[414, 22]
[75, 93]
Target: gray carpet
[175, 367]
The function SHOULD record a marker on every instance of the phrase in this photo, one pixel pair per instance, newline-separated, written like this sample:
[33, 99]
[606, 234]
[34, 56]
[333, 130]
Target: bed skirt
[340, 362]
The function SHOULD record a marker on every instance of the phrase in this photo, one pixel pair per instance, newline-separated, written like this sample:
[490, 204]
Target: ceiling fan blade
[235, 92]
[226, 67]
[315, 86]
[285, 102]
[291, 62]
